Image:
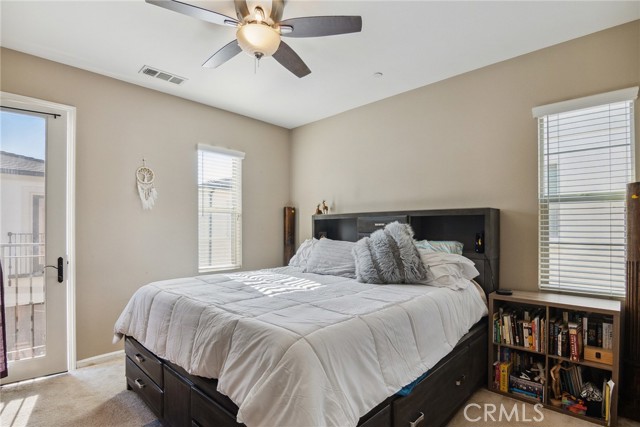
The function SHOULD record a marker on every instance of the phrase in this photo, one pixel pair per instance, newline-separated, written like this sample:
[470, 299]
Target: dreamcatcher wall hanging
[146, 190]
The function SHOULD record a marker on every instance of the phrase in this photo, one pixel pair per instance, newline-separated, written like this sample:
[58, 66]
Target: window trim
[622, 95]
[233, 154]
[541, 113]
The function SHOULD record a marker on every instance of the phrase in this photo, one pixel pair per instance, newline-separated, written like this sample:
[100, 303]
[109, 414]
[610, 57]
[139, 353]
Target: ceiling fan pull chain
[256, 63]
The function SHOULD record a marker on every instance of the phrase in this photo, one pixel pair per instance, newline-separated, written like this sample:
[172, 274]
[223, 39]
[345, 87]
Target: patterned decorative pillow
[332, 257]
[389, 256]
[446, 246]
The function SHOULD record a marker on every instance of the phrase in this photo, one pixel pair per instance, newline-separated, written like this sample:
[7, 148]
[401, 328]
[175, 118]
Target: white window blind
[219, 208]
[586, 159]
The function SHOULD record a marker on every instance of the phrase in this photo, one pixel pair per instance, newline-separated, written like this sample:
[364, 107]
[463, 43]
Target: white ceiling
[413, 43]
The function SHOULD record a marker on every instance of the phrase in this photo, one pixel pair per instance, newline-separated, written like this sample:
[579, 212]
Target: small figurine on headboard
[318, 211]
[325, 208]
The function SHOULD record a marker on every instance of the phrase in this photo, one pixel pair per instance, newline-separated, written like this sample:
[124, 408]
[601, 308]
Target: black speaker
[289, 233]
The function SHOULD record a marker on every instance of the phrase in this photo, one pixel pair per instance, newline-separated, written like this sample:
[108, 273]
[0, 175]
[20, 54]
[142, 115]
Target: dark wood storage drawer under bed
[191, 401]
[144, 375]
[448, 385]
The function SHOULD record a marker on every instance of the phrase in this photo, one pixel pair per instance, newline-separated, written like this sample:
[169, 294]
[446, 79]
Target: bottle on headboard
[479, 243]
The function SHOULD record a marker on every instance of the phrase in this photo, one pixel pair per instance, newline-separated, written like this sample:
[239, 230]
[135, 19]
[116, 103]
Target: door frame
[34, 103]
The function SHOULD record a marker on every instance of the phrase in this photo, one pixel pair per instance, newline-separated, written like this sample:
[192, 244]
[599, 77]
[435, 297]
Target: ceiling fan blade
[194, 11]
[223, 55]
[242, 9]
[319, 26]
[277, 7]
[290, 60]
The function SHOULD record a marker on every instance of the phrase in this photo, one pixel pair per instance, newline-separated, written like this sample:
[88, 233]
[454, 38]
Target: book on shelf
[497, 336]
[526, 333]
[606, 402]
[520, 332]
[542, 338]
[599, 334]
[553, 336]
[505, 371]
[563, 342]
[527, 394]
[575, 341]
[534, 332]
[496, 375]
[607, 335]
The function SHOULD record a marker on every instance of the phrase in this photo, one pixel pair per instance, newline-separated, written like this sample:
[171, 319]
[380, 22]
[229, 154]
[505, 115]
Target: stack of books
[566, 336]
[599, 332]
[598, 339]
[519, 327]
[571, 380]
[527, 388]
[520, 373]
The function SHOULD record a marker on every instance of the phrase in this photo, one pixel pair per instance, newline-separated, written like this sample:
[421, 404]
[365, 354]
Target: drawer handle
[139, 383]
[379, 224]
[417, 421]
[140, 358]
[460, 380]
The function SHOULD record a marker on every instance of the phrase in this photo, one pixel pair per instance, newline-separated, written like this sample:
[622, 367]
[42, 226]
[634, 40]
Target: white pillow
[332, 257]
[448, 270]
[300, 258]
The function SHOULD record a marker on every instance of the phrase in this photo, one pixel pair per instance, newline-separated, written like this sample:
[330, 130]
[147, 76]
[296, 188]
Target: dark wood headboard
[462, 225]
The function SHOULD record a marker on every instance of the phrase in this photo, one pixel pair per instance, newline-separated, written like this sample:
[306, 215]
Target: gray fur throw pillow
[389, 256]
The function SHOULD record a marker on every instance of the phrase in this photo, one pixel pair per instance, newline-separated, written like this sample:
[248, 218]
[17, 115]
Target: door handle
[60, 269]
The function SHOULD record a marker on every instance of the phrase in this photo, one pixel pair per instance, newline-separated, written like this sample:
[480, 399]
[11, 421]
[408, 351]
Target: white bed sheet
[300, 349]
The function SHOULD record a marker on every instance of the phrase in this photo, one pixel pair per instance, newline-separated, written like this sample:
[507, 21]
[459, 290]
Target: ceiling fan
[258, 33]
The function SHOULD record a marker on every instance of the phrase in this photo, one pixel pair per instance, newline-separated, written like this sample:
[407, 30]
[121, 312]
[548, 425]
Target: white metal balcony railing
[22, 262]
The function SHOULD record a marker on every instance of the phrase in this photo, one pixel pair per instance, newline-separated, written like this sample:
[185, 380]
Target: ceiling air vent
[162, 75]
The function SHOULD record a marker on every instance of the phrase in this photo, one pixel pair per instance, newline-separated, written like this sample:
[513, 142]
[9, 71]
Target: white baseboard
[99, 359]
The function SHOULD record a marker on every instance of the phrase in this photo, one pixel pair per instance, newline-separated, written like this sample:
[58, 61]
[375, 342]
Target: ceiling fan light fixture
[258, 14]
[258, 39]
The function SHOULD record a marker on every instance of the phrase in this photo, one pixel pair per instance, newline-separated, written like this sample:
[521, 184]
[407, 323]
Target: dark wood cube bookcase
[547, 305]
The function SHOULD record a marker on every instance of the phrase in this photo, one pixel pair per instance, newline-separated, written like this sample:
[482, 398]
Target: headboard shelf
[462, 225]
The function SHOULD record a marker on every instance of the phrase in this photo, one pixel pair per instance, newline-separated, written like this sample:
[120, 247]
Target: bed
[342, 362]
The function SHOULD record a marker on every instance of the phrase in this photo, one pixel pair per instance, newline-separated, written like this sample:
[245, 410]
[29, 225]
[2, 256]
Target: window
[219, 208]
[585, 160]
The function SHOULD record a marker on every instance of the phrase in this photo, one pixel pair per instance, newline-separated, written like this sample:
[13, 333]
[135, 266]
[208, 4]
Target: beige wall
[469, 141]
[119, 246]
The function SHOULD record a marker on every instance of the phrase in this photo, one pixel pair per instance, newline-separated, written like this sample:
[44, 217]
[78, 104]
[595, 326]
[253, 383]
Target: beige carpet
[96, 396]
[523, 415]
